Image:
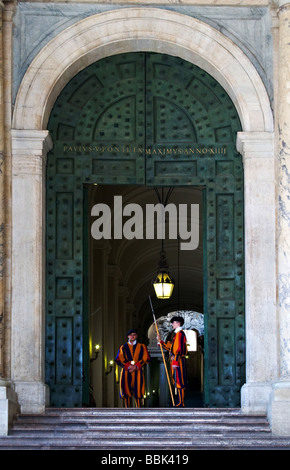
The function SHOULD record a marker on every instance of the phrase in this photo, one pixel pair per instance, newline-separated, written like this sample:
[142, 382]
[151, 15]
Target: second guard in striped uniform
[132, 357]
[177, 351]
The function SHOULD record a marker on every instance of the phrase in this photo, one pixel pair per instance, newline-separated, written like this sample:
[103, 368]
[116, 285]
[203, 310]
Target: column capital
[103, 245]
[123, 291]
[274, 12]
[25, 141]
[114, 271]
[256, 144]
[29, 150]
[283, 5]
[9, 9]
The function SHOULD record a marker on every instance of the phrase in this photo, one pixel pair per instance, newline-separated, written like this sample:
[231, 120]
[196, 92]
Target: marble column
[279, 407]
[257, 149]
[8, 397]
[29, 149]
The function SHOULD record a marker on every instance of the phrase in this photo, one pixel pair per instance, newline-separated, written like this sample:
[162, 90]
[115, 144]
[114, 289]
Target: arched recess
[155, 120]
[103, 35]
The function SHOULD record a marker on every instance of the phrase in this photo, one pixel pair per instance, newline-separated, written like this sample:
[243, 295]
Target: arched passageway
[50, 71]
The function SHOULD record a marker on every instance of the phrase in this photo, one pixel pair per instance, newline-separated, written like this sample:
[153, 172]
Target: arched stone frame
[139, 29]
[110, 33]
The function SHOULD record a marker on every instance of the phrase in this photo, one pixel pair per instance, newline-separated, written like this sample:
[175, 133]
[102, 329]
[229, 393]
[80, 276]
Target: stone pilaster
[8, 397]
[111, 332]
[279, 407]
[99, 313]
[257, 149]
[7, 24]
[28, 231]
[2, 197]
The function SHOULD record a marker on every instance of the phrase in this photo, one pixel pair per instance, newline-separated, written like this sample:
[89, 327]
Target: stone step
[111, 424]
[203, 441]
[94, 418]
[235, 412]
[135, 429]
[46, 420]
[151, 415]
[120, 429]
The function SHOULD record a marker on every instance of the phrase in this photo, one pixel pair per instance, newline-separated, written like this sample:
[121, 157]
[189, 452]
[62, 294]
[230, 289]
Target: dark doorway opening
[120, 278]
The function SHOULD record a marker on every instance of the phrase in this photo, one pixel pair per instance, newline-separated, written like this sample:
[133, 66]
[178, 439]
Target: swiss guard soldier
[132, 357]
[177, 350]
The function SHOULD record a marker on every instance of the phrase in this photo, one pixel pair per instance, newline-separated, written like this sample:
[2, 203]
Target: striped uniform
[132, 383]
[178, 350]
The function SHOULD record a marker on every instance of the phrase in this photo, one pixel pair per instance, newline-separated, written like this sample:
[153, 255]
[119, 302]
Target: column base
[255, 398]
[33, 397]
[9, 406]
[279, 409]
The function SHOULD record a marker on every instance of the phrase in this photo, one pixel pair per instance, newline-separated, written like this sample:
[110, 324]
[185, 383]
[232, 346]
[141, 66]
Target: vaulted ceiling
[137, 259]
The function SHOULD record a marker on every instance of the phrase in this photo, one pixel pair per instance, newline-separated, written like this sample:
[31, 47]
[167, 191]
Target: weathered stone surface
[142, 429]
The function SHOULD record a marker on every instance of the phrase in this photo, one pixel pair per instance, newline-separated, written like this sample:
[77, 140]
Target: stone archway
[135, 30]
[129, 30]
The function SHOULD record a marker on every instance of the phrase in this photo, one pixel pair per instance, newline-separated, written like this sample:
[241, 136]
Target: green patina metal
[145, 118]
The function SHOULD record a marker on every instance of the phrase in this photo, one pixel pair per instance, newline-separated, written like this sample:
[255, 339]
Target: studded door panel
[192, 127]
[95, 123]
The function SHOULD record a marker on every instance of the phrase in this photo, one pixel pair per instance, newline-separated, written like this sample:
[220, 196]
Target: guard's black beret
[133, 330]
[179, 319]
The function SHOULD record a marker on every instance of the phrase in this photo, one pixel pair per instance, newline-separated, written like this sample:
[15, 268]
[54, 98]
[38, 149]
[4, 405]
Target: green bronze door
[145, 118]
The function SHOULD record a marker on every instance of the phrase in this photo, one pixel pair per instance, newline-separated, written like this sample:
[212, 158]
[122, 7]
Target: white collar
[133, 342]
[179, 328]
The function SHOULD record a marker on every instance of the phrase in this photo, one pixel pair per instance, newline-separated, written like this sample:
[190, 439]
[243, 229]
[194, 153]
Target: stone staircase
[141, 429]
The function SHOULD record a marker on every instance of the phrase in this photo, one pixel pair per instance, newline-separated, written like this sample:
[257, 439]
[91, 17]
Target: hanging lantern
[163, 284]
